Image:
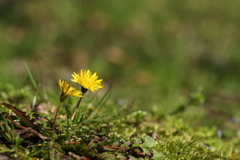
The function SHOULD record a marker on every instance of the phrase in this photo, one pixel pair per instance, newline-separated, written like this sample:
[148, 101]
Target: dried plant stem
[76, 108]
[54, 120]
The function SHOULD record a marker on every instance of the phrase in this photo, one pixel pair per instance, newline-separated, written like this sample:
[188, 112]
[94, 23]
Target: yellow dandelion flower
[87, 80]
[68, 90]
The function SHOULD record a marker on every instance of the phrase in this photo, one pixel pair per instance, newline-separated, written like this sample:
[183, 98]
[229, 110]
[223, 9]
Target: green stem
[54, 120]
[76, 108]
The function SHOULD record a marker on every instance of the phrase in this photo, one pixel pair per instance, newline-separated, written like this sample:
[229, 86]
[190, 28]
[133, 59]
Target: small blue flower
[233, 119]
[219, 133]
[211, 148]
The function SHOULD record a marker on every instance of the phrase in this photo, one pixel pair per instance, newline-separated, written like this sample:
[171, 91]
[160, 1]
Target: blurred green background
[153, 52]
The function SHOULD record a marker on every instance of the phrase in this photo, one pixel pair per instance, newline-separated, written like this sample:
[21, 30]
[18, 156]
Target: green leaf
[157, 155]
[137, 140]
[104, 130]
[134, 158]
[148, 141]
[146, 151]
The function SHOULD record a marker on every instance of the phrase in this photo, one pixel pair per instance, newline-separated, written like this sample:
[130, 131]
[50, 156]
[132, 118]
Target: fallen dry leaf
[21, 114]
